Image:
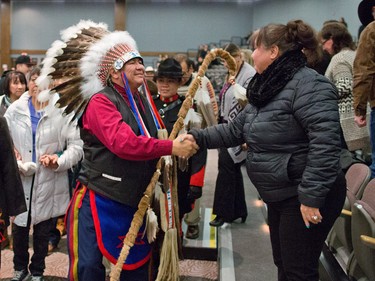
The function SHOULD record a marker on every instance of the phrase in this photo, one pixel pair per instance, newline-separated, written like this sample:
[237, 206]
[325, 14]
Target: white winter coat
[54, 134]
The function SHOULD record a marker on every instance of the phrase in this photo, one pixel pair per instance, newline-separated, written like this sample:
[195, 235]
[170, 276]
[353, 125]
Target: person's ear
[115, 74]
[274, 52]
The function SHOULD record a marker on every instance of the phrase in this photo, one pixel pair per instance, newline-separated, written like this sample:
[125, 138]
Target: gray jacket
[294, 140]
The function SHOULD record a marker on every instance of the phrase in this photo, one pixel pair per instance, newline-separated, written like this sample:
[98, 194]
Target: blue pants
[85, 258]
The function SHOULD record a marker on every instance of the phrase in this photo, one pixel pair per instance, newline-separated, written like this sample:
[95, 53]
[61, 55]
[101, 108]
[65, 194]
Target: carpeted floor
[57, 267]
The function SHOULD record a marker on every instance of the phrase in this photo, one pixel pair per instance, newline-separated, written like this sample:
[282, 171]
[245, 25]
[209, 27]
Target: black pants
[229, 199]
[40, 245]
[54, 233]
[296, 249]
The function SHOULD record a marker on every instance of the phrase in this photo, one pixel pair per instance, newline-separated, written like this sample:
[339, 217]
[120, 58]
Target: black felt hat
[169, 68]
[365, 11]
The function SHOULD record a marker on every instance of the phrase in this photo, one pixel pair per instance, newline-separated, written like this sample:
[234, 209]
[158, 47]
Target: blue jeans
[372, 139]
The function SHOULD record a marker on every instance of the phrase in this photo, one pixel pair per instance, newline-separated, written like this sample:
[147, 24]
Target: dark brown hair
[339, 34]
[13, 76]
[233, 49]
[295, 35]
[182, 57]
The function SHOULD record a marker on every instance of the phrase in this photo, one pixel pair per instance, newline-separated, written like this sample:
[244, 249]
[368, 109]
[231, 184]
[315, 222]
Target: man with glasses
[206, 92]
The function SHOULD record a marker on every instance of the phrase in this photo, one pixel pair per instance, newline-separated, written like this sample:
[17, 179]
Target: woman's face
[262, 58]
[16, 88]
[167, 87]
[327, 45]
[33, 88]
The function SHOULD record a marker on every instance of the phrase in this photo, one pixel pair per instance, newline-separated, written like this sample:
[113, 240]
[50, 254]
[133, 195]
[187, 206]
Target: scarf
[263, 87]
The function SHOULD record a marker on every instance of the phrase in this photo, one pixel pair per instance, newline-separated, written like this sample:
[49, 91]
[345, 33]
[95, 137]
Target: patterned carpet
[57, 267]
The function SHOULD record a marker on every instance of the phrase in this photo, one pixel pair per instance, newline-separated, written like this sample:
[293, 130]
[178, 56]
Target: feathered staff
[77, 60]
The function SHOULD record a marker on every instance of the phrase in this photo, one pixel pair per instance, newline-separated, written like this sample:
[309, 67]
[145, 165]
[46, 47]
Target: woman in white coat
[47, 145]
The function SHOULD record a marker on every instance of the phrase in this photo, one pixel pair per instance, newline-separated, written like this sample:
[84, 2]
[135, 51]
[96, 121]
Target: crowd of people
[113, 122]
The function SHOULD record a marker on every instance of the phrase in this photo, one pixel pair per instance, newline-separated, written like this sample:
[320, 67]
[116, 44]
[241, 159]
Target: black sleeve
[221, 135]
[11, 190]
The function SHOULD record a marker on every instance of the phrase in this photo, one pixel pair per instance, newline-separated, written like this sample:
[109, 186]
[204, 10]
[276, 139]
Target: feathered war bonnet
[82, 60]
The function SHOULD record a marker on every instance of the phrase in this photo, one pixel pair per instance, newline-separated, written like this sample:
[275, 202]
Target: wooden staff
[145, 201]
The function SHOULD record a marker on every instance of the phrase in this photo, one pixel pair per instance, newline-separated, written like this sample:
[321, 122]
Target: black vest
[121, 180]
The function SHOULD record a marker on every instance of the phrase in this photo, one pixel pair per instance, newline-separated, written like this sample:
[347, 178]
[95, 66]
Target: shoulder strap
[172, 105]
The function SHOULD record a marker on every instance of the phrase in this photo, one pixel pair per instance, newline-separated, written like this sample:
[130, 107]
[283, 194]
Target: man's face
[150, 75]
[24, 68]
[135, 72]
[186, 72]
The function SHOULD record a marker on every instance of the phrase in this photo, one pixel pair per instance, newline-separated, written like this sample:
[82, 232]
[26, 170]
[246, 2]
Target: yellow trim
[213, 236]
[346, 212]
[75, 231]
[368, 241]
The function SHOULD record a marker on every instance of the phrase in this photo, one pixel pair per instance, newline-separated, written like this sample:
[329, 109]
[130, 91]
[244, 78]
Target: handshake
[184, 146]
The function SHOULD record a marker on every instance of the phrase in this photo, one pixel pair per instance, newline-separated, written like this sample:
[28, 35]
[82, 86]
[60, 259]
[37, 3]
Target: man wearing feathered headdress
[119, 129]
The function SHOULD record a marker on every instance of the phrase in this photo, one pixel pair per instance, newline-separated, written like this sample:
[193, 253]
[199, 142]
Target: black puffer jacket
[294, 140]
[12, 198]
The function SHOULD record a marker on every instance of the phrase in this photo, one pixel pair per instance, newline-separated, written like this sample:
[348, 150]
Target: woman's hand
[49, 161]
[310, 215]
[17, 154]
[184, 146]
[244, 147]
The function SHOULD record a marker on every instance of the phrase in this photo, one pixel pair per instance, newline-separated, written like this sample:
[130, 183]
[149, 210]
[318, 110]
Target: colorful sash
[112, 221]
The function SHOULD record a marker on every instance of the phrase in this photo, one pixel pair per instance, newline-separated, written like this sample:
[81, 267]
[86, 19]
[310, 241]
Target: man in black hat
[204, 103]
[24, 64]
[168, 103]
[364, 73]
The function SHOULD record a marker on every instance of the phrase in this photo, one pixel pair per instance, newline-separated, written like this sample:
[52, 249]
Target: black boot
[218, 221]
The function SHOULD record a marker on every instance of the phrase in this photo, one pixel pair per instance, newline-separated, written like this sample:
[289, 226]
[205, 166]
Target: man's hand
[184, 146]
[360, 121]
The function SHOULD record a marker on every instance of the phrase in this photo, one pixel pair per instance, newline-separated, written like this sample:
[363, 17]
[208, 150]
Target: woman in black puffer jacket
[292, 129]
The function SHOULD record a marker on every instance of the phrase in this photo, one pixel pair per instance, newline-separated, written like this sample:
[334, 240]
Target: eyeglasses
[324, 41]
